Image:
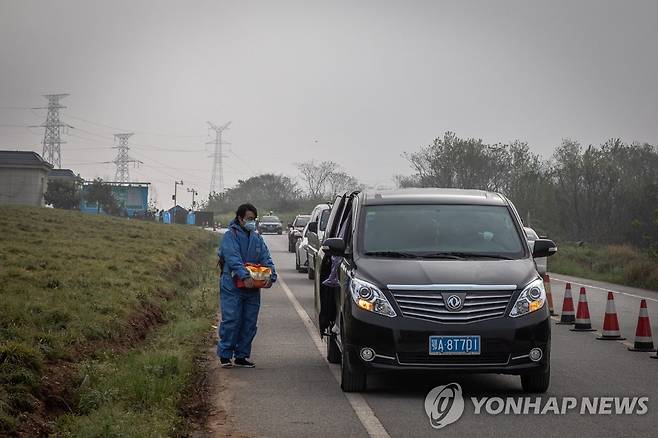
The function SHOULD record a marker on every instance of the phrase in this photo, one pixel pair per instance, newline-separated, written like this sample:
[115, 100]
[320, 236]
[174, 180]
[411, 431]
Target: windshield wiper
[393, 254]
[442, 255]
[477, 255]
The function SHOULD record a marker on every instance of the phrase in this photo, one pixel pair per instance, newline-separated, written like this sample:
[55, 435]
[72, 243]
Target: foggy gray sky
[367, 79]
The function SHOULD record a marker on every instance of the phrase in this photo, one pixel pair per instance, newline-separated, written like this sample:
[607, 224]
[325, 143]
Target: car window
[344, 218]
[301, 221]
[336, 212]
[324, 218]
[270, 219]
[426, 229]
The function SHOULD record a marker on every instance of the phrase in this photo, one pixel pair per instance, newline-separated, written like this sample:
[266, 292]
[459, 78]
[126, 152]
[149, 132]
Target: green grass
[77, 288]
[621, 264]
[137, 394]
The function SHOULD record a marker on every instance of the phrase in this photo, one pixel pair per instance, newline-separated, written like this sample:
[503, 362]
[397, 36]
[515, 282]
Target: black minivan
[432, 279]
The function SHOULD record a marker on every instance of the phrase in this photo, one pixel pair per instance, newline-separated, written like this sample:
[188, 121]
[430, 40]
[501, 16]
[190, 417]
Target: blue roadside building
[131, 197]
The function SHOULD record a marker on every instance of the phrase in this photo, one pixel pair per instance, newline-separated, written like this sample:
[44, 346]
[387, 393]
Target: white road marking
[627, 343]
[358, 403]
[603, 289]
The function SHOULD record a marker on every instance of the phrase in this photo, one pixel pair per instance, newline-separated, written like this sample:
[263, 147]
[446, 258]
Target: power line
[91, 163]
[15, 108]
[251, 169]
[157, 134]
[139, 145]
[107, 137]
[180, 170]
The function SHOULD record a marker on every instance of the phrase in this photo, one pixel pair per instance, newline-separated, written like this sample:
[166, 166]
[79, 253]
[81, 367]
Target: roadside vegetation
[621, 264]
[100, 320]
[604, 197]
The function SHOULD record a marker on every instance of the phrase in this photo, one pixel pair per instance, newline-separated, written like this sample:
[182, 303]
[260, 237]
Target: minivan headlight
[530, 300]
[368, 297]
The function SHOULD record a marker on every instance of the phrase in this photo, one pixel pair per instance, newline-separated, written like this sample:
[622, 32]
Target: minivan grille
[425, 359]
[429, 305]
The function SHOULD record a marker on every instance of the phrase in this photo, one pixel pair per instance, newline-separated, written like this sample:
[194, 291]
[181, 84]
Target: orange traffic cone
[568, 316]
[610, 323]
[583, 323]
[549, 293]
[643, 339]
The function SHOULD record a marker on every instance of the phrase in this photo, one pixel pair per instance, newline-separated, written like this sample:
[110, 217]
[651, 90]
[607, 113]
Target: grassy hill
[620, 264]
[100, 319]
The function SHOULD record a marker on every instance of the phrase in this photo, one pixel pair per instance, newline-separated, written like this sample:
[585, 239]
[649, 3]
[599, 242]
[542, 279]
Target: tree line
[318, 182]
[600, 194]
[603, 194]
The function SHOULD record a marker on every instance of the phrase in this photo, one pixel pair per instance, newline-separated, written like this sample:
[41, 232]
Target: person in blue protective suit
[240, 306]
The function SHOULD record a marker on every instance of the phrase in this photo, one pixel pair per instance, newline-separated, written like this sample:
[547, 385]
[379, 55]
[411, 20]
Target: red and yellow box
[259, 274]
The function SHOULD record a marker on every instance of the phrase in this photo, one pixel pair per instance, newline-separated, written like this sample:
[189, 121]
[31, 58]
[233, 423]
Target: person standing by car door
[240, 306]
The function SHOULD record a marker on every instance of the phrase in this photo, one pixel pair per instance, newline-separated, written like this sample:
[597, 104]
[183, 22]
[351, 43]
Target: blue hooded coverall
[239, 307]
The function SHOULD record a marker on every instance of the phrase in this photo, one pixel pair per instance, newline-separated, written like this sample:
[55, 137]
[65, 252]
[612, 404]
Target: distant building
[178, 215]
[23, 178]
[64, 175]
[132, 197]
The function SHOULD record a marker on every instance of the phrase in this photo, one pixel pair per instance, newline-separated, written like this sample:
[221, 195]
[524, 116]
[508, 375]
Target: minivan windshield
[270, 219]
[441, 231]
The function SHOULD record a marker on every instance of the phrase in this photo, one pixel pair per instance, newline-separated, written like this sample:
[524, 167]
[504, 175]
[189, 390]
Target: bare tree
[314, 176]
[340, 182]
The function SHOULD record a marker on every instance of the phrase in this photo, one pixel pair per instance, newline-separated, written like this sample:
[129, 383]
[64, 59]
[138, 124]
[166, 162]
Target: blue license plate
[454, 345]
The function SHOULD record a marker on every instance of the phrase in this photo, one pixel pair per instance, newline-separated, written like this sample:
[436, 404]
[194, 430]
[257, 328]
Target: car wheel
[536, 383]
[351, 379]
[297, 267]
[279, 233]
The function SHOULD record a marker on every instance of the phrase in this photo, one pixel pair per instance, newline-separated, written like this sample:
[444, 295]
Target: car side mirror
[334, 246]
[289, 225]
[313, 227]
[544, 248]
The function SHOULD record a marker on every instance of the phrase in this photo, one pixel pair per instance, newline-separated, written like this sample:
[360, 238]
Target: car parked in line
[432, 280]
[270, 224]
[301, 257]
[295, 230]
[315, 234]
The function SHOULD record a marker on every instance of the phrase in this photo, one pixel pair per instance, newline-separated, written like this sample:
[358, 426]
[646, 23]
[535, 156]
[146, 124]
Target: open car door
[326, 299]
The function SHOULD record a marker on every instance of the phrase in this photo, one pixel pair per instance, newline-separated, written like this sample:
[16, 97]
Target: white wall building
[23, 178]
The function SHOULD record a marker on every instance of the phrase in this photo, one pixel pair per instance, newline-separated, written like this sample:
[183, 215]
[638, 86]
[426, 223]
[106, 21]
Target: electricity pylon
[52, 139]
[217, 181]
[123, 159]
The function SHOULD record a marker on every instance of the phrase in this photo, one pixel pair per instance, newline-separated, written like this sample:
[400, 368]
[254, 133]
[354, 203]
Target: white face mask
[250, 225]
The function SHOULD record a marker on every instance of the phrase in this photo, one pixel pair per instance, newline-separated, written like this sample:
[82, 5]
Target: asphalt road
[294, 392]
